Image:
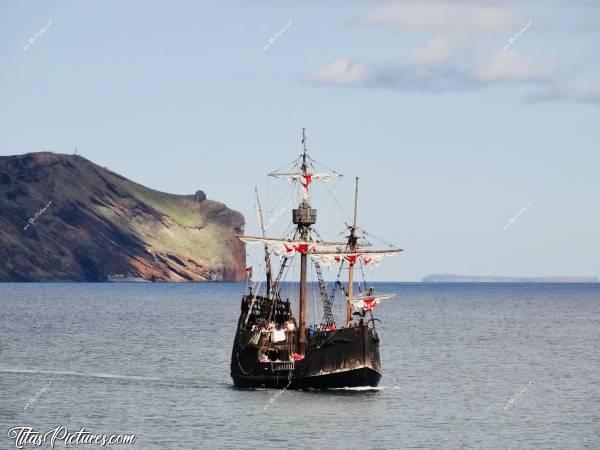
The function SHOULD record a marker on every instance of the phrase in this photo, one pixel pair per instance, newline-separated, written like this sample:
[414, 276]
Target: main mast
[303, 216]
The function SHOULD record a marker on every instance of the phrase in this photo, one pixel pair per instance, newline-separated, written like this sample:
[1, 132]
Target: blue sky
[453, 128]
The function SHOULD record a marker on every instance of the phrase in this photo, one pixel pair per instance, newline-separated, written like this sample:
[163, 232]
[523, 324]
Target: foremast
[268, 269]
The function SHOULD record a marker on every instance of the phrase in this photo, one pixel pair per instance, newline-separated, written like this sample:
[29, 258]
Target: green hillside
[92, 224]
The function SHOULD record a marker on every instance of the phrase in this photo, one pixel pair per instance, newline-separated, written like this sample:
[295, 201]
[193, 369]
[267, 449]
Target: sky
[473, 126]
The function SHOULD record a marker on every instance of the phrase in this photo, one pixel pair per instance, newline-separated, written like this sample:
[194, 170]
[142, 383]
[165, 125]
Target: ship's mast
[303, 216]
[304, 171]
[352, 241]
[267, 254]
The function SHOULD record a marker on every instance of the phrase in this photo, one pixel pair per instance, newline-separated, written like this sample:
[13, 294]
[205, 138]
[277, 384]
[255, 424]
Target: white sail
[370, 258]
[288, 248]
[325, 253]
[378, 297]
[368, 302]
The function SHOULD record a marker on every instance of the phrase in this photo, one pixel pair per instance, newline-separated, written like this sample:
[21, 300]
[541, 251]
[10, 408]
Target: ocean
[466, 366]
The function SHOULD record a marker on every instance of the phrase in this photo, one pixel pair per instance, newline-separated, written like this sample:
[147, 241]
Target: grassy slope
[122, 226]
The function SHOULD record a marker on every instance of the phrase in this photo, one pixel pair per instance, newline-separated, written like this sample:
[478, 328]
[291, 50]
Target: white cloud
[441, 16]
[510, 65]
[434, 51]
[461, 52]
[435, 79]
[439, 77]
[392, 75]
[341, 71]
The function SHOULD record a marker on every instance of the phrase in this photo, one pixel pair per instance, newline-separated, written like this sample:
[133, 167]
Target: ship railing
[282, 365]
[254, 338]
[250, 337]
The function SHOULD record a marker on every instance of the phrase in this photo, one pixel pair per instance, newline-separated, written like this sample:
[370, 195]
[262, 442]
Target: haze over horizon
[476, 154]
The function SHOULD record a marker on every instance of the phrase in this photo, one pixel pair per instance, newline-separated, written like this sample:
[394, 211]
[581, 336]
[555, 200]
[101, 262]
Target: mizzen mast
[352, 246]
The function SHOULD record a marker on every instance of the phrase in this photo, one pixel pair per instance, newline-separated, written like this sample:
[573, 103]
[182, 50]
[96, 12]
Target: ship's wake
[360, 388]
[80, 374]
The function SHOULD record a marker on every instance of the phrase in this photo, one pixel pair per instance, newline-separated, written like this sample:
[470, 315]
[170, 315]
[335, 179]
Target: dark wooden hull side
[348, 357]
[347, 379]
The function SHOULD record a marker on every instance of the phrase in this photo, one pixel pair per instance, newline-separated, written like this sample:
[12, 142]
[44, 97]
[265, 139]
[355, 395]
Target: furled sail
[368, 302]
[305, 179]
[288, 248]
[326, 253]
[367, 258]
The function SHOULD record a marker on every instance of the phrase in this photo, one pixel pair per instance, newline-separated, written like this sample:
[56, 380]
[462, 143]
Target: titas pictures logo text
[24, 435]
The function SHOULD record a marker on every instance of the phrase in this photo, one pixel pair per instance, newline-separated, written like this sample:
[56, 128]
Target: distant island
[446, 278]
[64, 218]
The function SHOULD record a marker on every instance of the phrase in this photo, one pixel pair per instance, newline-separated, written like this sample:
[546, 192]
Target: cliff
[63, 217]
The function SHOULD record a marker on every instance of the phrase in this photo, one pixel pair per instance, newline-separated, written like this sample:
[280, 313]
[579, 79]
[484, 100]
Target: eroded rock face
[64, 218]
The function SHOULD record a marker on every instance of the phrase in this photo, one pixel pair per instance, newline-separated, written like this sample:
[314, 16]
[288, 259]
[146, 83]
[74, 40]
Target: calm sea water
[481, 366]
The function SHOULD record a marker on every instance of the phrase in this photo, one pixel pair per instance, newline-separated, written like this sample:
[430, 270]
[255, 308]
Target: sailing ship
[276, 348]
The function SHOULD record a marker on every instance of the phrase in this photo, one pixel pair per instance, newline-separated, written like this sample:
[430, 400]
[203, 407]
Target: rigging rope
[287, 193]
[383, 241]
[313, 160]
[362, 272]
[336, 200]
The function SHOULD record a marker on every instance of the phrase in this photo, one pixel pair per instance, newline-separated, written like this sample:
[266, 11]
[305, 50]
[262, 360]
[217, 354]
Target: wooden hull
[347, 357]
[364, 376]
